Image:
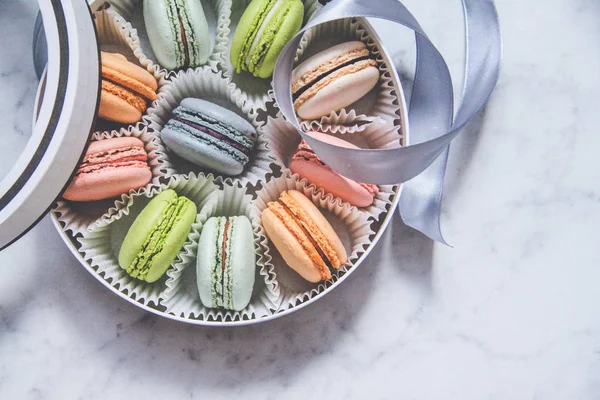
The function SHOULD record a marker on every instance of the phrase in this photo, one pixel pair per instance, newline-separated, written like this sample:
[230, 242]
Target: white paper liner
[351, 224]
[181, 297]
[206, 84]
[343, 121]
[100, 244]
[76, 217]
[116, 35]
[254, 90]
[284, 290]
[133, 22]
[378, 134]
[124, 7]
[383, 102]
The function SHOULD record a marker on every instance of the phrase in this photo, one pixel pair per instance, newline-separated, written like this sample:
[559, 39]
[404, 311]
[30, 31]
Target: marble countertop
[511, 312]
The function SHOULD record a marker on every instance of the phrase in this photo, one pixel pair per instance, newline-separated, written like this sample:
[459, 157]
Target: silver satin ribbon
[433, 124]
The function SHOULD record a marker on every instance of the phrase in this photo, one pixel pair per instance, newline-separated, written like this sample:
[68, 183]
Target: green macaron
[225, 265]
[178, 32]
[157, 235]
[264, 29]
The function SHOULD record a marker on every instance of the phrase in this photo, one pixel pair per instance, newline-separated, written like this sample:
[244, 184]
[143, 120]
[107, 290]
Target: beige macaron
[333, 79]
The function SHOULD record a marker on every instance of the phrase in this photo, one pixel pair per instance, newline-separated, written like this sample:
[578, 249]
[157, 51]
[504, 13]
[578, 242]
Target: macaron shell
[129, 83]
[244, 28]
[241, 259]
[331, 182]
[220, 114]
[321, 59]
[200, 153]
[290, 26]
[243, 262]
[205, 260]
[288, 246]
[133, 75]
[107, 183]
[113, 144]
[340, 93]
[110, 168]
[160, 33]
[195, 13]
[313, 212]
[173, 243]
[143, 224]
[257, 42]
[115, 108]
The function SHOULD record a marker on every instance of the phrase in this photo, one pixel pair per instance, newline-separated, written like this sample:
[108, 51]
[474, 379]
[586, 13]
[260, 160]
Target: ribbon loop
[431, 110]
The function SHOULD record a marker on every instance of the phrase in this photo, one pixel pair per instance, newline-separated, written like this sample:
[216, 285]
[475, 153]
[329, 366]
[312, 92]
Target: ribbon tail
[421, 199]
[431, 111]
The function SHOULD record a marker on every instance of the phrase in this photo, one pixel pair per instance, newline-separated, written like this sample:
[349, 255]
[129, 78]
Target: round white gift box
[77, 109]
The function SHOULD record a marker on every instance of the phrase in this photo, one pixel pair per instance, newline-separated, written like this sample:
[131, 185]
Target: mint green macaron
[157, 236]
[264, 29]
[226, 265]
[178, 32]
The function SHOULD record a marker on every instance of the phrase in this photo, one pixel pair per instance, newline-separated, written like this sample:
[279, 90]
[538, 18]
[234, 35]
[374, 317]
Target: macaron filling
[266, 35]
[257, 36]
[222, 283]
[315, 232]
[186, 43]
[212, 132]
[267, 22]
[311, 75]
[129, 83]
[208, 140]
[114, 158]
[306, 92]
[316, 78]
[121, 92]
[259, 19]
[309, 235]
[215, 134]
[293, 225]
[184, 40]
[153, 245]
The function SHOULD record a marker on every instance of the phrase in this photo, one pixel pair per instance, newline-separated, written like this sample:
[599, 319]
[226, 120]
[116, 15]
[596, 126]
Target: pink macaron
[110, 168]
[306, 164]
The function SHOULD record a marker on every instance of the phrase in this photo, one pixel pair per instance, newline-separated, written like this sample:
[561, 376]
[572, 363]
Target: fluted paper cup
[385, 101]
[378, 134]
[132, 23]
[352, 225]
[203, 83]
[116, 35]
[98, 228]
[254, 90]
[76, 217]
[100, 244]
[181, 297]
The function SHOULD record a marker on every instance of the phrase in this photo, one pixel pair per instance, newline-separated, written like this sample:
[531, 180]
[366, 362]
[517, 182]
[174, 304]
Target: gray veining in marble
[17, 77]
[511, 312]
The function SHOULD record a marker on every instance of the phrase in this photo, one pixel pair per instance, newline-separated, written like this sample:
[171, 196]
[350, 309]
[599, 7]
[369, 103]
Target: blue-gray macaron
[210, 136]
[226, 265]
[178, 32]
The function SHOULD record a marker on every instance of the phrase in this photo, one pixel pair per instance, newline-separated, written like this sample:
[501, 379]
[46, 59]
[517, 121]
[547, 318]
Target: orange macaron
[303, 236]
[126, 89]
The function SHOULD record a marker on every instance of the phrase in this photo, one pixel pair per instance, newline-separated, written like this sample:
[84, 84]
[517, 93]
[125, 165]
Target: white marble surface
[511, 312]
